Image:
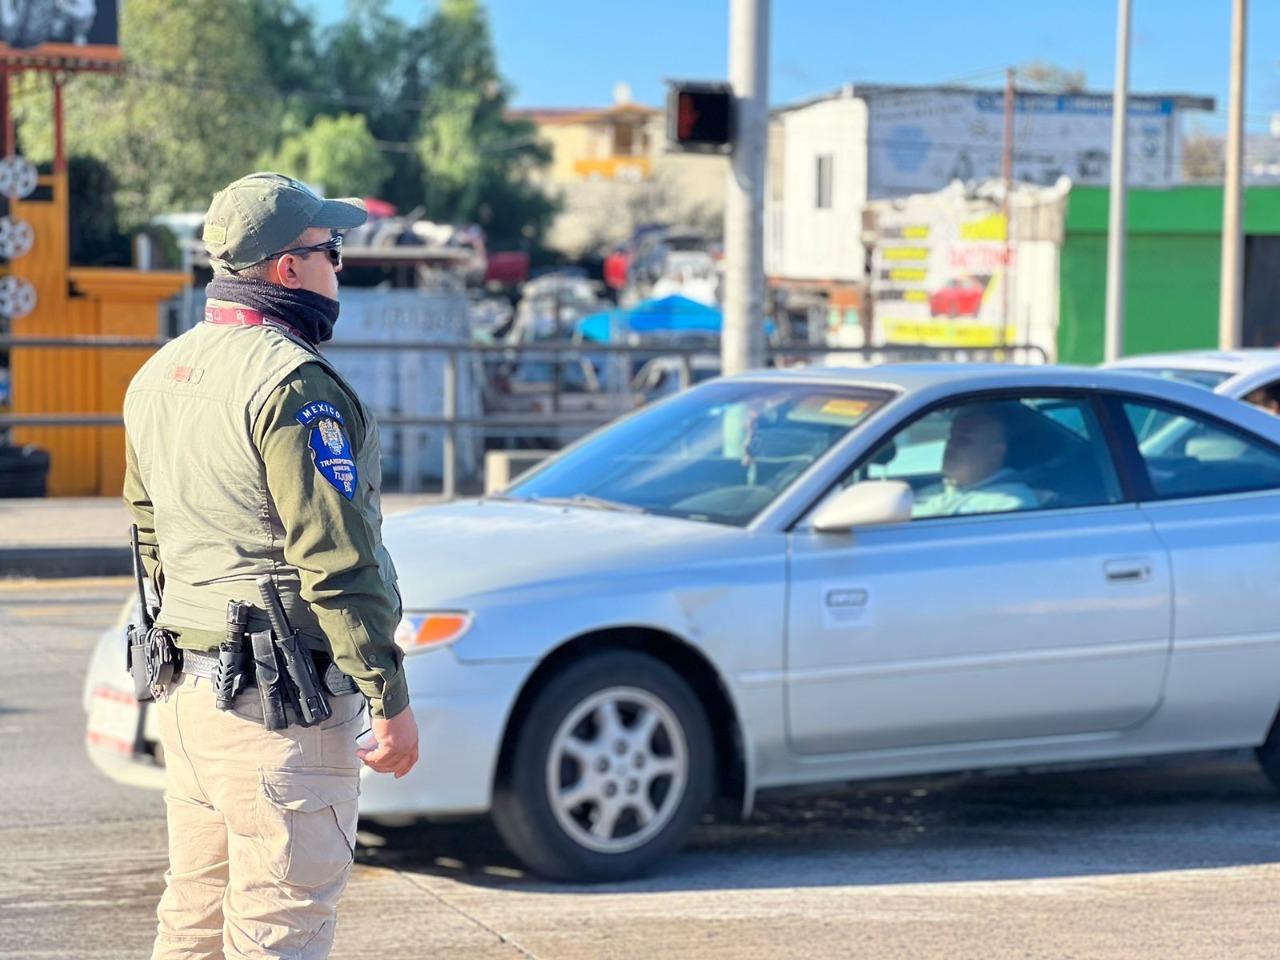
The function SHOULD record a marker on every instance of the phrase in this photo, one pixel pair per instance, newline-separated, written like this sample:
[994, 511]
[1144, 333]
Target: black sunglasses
[331, 247]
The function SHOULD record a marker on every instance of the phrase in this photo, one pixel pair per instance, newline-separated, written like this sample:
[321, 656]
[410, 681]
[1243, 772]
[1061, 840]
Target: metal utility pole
[742, 339]
[1007, 204]
[1118, 223]
[1231, 302]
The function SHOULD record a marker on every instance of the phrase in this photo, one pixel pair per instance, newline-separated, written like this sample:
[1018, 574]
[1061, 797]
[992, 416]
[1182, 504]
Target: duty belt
[202, 664]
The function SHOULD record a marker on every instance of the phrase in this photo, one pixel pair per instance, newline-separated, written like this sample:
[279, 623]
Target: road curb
[58, 562]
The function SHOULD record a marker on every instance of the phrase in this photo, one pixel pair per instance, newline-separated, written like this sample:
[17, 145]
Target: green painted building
[1174, 261]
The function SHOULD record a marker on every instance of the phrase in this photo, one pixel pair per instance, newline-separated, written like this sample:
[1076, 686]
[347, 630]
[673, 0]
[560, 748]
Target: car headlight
[430, 630]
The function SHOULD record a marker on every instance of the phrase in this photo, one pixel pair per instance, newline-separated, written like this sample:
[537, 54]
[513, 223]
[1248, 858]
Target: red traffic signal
[700, 116]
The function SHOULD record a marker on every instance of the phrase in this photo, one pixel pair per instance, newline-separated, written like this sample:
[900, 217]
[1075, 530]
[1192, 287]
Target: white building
[832, 154]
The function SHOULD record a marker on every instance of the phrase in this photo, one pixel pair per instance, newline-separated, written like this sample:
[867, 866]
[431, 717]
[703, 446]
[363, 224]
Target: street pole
[1117, 226]
[1231, 293]
[742, 339]
[1006, 206]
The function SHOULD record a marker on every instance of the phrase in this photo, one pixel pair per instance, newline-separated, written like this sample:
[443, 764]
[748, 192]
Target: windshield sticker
[845, 606]
[836, 411]
[853, 409]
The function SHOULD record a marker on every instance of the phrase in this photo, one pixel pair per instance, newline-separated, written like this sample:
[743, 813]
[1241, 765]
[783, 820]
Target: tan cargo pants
[262, 827]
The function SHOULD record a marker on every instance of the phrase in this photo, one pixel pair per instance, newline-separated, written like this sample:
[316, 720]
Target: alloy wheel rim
[617, 770]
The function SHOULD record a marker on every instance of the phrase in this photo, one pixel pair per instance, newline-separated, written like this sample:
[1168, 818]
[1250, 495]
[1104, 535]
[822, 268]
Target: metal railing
[551, 423]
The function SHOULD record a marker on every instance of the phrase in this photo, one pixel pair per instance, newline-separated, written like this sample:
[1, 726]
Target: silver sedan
[820, 575]
[1251, 374]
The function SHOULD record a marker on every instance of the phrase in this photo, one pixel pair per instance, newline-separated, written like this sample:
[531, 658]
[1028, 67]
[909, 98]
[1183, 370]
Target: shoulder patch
[315, 410]
[330, 448]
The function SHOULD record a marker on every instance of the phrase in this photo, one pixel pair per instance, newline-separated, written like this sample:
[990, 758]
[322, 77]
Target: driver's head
[1268, 398]
[976, 447]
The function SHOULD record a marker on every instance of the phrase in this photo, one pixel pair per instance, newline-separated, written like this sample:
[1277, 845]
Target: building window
[824, 183]
[623, 140]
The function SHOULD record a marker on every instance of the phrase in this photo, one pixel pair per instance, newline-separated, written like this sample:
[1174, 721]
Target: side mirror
[865, 504]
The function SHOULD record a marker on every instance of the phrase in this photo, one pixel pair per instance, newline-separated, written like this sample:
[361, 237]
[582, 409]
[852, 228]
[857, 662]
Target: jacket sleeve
[143, 513]
[327, 535]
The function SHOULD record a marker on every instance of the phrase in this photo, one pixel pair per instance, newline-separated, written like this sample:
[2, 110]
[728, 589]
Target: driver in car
[975, 477]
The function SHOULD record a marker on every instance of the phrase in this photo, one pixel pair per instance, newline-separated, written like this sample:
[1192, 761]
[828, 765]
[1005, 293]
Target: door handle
[1127, 571]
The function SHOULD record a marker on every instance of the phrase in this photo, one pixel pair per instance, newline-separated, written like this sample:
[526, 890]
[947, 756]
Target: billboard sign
[919, 141]
[68, 31]
[938, 272]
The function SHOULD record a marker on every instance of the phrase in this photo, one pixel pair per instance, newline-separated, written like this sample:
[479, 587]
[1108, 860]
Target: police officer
[248, 455]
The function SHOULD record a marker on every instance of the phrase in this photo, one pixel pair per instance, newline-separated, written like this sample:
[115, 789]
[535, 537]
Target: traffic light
[700, 117]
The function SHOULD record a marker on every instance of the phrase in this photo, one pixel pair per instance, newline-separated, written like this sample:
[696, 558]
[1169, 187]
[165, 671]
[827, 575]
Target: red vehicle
[509, 267]
[615, 269]
[959, 298]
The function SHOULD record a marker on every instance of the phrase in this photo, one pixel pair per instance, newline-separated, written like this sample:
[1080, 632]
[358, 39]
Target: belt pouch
[270, 683]
[138, 663]
[338, 683]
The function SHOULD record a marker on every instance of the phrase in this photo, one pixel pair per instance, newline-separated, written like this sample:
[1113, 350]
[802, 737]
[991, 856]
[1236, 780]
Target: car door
[1212, 491]
[1009, 620]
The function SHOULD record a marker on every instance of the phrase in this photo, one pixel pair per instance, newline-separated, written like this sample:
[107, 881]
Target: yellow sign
[945, 333]
[906, 253]
[988, 228]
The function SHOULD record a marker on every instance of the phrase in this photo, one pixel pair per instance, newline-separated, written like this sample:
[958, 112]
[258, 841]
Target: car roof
[1222, 361]
[915, 377]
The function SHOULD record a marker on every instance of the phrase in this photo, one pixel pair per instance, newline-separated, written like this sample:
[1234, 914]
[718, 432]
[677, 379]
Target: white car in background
[734, 589]
[1232, 373]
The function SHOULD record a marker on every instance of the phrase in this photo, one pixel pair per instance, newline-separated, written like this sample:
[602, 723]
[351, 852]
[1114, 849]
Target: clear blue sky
[570, 53]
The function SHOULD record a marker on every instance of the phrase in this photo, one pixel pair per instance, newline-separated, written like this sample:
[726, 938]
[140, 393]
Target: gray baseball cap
[264, 213]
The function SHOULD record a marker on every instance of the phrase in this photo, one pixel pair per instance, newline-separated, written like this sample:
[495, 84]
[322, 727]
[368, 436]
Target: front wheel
[1269, 753]
[609, 769]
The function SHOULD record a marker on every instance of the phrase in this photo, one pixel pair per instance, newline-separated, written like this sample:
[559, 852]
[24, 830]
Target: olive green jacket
[232, 434]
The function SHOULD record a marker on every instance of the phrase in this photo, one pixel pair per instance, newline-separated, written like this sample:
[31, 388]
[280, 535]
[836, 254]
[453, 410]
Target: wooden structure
[73, 302]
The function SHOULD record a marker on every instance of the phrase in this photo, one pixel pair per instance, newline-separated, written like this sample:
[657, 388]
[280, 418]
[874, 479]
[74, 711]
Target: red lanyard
[244, 317]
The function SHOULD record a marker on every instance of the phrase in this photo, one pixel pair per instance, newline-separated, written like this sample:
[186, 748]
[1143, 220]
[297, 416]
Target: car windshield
[721, 452]
[1201, 378]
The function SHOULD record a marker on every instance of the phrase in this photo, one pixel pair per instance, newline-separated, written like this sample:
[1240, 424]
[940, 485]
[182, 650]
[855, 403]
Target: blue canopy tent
[673, 314]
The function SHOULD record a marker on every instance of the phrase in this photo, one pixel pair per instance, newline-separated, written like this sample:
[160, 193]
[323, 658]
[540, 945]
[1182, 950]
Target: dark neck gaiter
[312, 314]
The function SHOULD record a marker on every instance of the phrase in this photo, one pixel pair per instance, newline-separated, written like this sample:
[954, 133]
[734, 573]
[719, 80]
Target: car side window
[1266, 397]
[1186, 455]
[999, 456]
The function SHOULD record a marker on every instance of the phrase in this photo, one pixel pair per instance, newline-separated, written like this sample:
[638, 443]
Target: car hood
[446, 553]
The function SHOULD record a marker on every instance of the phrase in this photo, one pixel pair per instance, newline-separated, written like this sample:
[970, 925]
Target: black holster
[153, 660]
[272, 686]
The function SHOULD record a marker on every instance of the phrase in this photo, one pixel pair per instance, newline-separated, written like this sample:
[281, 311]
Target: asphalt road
[1162, 861]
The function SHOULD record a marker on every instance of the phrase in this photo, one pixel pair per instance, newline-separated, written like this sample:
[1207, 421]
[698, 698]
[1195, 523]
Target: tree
[477, 161]
[192, 112]
[1203, 157]
[375, 64]
[337, 154]
[291, 55]
[1050, 78]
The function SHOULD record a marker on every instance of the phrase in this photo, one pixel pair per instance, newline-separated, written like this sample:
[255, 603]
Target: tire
[1269, 753]
[652, 783]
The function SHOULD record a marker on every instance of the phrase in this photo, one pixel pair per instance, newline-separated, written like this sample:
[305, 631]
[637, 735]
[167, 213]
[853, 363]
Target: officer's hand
[397, 748]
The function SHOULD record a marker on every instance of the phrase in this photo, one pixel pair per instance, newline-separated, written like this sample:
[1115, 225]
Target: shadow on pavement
[1203, 814]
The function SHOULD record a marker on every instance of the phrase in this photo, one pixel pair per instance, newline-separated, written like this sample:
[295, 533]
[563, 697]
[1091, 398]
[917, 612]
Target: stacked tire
[23, 471]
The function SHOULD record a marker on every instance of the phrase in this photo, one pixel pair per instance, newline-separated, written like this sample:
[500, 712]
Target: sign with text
[919, 141]
[65, 32]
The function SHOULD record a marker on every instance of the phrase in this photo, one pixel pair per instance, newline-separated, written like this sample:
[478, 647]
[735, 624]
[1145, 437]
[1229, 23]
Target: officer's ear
[287, 271]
